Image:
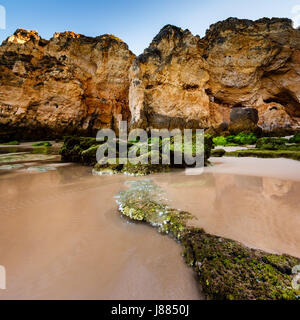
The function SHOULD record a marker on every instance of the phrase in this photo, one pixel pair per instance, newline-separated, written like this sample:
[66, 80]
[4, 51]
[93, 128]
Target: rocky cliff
[182, 80]
[74, 84]
[71, 84]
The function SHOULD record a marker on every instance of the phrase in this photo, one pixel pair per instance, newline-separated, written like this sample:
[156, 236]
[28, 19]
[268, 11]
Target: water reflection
[261, 212]
[61, 237]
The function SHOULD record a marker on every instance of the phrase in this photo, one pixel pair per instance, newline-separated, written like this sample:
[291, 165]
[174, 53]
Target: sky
[134, 21]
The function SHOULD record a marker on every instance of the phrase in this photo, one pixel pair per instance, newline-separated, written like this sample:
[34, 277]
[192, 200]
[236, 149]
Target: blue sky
[134, 21]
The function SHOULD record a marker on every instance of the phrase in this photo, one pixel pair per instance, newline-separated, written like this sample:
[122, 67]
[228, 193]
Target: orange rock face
[182, 80]
[74, 84]
[71, 84]
[168, 83]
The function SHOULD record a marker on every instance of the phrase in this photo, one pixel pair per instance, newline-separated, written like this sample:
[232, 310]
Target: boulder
[243, 120]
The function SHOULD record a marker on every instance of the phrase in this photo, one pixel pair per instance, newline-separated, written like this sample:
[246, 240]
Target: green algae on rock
[271, 147]
[218, 152]
[243, 138]
[144, 201]
[295, 138]
[226, 269]
[12, 143]
[269, 143]
[73, 147]
[257, 153]
[42, 144]
[140, 154]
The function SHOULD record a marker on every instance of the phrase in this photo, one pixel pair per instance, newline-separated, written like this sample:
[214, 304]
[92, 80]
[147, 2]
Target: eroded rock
[184, 81]
[74, 84]
[71, 84]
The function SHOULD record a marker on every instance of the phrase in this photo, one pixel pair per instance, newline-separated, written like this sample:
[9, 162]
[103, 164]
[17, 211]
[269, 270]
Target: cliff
[182, 80]
[72, 84]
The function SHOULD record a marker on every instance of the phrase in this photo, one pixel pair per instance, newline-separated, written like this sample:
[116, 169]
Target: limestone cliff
[71, 84]
[168, 83]
[182, 80]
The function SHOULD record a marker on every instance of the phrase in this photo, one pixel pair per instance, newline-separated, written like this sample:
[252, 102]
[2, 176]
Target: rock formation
[243, 120]
[182, 80]
[168, 83]
[71, 84]
[74, 84]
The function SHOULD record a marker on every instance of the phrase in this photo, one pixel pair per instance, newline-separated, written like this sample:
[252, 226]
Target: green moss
[42, 144]
[242, 138]
[84, 150]
[218, 152]
[220, 141]
[41, 150]
[142, 202]
[12, 143]
[226, 269]
[144, 169]
[112, 166]
[257, 153]
[89, 156]
[267, 143]
[295, 138]
[73, 147]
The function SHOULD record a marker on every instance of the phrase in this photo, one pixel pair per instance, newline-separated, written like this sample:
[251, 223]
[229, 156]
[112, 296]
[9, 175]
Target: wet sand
[61, 237]
[285, 169]
[254, 201]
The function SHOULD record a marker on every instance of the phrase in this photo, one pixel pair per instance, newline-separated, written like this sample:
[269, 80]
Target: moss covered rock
[226, 269]
[12, 143]
[218, 152]
[243, 138]
[257, 153]
[42, 144]
[73, 148]
[229, 270]
[267, 143]
[295, 138]
[84, 150]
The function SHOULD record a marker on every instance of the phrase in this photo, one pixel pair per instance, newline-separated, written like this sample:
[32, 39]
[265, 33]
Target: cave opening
[286, 99]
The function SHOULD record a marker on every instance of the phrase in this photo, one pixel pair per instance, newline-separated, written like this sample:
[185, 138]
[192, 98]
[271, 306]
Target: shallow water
[61, 237]
[261, 212]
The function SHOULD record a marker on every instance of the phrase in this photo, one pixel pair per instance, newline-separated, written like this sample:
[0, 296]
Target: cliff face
[187, 81]
[74, 84]
[70, 84]
[168, 83]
